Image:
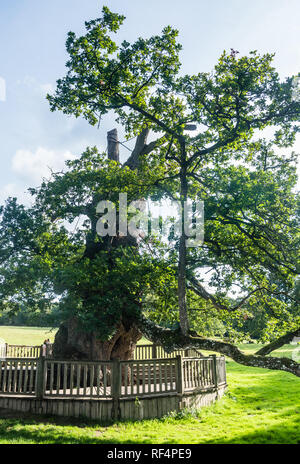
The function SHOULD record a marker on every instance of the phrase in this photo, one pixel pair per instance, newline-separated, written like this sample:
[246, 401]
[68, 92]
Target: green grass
[260, 406]
[26, 335]
[33, 335]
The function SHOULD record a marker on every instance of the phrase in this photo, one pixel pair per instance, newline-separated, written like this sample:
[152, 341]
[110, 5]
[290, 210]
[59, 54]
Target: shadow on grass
[276, 435]
[253, 392]
[51, 433]
[15, 428]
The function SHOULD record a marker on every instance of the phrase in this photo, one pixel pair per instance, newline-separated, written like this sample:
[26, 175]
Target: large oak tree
[246, 118]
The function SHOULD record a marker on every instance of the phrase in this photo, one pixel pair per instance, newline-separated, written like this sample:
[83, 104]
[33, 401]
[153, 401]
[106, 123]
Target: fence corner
[179, 375]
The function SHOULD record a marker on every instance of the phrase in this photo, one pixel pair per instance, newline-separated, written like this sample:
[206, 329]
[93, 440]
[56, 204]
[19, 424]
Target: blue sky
[32, 57]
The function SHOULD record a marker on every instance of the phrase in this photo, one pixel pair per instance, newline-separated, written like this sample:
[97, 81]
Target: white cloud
[33, 166]
[15, 190]
[29, 168]
[32, 83]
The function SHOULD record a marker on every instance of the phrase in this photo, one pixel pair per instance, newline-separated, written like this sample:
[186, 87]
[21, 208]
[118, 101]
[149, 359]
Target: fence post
[39, 391]
[48, 350]
[116, 388]
[179, 375]
[224, 369]
[154, 351]
[215, 371]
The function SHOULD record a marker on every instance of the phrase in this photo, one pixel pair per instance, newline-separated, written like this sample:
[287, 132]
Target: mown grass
[33, 335]
[261, 406]
[26, 335]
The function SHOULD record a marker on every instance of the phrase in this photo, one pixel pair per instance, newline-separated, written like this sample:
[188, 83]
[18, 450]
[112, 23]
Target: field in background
[14, 335]
[260, 406]
[26, 335]
[36, 335]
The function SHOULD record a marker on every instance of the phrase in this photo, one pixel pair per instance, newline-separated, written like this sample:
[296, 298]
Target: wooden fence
[45, 377]
[148, 377]
[199, 373]
[157, 351]
[2, 350]
[77, 378]
[23, 351]
[18, 376]
[142, 352]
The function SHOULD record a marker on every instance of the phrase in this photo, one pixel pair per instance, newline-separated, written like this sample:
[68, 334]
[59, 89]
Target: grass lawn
[33, 335]
[260, 406]
[26, 335]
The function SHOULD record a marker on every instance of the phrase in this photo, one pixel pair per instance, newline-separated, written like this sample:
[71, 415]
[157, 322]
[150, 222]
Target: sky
[32, 57]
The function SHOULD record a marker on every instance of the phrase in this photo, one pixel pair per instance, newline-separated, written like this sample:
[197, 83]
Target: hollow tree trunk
[113, 145]
[71, 343]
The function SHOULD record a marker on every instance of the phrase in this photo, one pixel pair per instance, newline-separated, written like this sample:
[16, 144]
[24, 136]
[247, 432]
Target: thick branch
[141, 148]
[287, 338]
[175, 339]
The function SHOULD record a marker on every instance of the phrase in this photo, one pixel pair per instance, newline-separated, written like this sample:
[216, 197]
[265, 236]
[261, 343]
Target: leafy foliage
[245, 117]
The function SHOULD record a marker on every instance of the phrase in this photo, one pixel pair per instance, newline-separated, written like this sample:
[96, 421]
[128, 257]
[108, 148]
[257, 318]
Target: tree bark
[174, 340]
[72, 343]
[113, 145]
[287, 338]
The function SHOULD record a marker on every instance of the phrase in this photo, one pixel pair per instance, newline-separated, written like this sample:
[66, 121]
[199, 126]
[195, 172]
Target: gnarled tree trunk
[72, 343]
